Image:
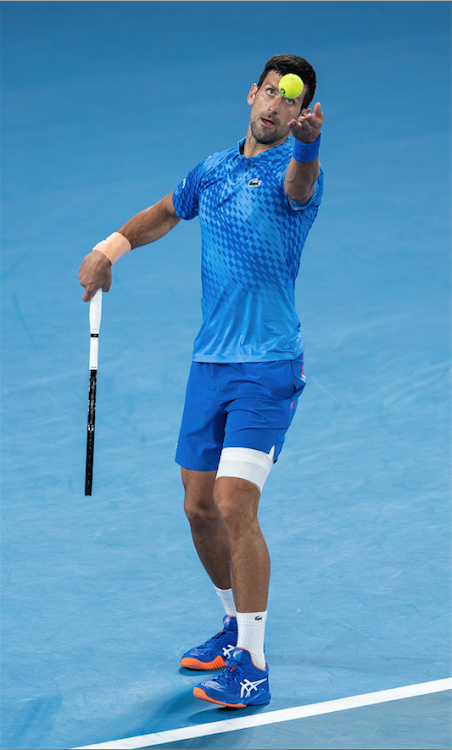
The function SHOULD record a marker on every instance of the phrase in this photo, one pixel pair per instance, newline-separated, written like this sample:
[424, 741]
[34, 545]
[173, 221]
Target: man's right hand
[94, 273]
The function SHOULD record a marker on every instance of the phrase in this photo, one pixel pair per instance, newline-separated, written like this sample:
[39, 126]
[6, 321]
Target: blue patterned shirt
[252, 239]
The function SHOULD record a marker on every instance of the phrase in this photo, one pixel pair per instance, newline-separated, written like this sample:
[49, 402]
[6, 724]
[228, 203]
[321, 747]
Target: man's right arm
[145, 227]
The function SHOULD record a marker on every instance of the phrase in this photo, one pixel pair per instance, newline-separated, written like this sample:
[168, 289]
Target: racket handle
[95, 315]
[95, 312]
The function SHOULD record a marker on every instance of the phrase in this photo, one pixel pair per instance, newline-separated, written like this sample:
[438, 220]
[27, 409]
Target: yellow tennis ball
[291, 86]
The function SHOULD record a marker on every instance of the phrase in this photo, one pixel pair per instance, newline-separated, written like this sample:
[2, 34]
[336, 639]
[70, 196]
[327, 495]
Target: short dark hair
[284, 64]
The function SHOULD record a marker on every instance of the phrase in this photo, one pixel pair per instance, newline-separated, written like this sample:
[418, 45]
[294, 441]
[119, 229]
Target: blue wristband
[306, 151]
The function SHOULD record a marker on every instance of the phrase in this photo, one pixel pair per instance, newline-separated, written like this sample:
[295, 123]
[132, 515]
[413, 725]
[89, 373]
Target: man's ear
[252, 93]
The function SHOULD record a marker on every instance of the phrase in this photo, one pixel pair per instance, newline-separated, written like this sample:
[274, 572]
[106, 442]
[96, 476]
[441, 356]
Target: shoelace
[214, 637]
[234, 673]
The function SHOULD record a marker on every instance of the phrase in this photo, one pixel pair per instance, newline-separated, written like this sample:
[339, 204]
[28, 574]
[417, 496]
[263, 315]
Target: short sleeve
[316, 198]
[186, 195]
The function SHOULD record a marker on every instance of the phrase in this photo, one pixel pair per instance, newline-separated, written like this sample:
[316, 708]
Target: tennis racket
[95, 314]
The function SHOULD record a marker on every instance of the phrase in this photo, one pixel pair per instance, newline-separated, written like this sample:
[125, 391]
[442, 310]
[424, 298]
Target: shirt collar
[271, 154]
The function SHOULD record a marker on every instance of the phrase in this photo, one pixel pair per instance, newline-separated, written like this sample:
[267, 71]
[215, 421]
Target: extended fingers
[315, 117]
[308, 124]
[318, 110]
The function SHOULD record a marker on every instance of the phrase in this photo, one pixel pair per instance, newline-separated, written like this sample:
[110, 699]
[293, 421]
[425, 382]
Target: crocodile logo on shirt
[254, 182]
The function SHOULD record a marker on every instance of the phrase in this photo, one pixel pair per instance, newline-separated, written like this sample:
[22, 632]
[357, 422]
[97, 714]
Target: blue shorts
[237, 405]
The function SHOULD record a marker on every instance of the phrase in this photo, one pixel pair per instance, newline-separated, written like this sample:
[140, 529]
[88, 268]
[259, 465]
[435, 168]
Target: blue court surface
[106, 107]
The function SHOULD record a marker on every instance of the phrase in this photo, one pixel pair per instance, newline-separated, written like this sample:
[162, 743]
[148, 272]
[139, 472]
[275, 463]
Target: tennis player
[256, 203]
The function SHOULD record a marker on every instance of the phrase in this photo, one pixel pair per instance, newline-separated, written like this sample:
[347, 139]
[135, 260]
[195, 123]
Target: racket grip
[95, 312]
[93, 352]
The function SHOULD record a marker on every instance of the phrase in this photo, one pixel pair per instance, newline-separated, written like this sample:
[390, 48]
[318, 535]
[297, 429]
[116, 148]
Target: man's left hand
[307, 127]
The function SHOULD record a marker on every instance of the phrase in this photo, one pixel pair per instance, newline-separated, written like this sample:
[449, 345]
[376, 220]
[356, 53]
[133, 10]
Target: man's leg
[207, 529]
[210, 539]
[230, 545]
[237, 501]
[245, 681]
[227, 535]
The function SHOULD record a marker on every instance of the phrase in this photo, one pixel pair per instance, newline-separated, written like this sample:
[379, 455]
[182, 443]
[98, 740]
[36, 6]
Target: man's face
[270, 112]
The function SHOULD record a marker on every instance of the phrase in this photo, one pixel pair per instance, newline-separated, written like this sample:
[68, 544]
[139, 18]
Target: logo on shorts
[254, 182]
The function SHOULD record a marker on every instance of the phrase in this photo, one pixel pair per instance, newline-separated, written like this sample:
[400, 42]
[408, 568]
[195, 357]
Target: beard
[263, 135]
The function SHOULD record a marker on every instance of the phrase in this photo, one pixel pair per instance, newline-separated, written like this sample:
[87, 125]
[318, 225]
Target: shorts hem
[190, 465]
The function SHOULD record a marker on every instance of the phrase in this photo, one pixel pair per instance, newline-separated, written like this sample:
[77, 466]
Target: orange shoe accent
[189, 663]
[199, 693]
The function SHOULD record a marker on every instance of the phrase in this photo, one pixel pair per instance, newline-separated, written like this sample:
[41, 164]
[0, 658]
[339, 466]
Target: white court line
[273, 717]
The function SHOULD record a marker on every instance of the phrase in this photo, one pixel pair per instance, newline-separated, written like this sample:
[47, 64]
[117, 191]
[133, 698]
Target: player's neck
[252, 147]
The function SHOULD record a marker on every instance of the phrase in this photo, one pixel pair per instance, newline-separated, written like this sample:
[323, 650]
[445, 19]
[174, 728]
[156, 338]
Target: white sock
[251, 627]
[227, 600]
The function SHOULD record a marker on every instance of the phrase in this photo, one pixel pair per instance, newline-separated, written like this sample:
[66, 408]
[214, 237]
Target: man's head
[270, 112]
[284, 64]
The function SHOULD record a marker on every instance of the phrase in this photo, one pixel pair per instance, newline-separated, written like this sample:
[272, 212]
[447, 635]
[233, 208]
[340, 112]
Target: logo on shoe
[248, 686]
[227, 651]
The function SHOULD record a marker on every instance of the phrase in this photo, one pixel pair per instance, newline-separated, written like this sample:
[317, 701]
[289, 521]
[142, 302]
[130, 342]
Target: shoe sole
[199, 693]
[202, 695]
[217, 663]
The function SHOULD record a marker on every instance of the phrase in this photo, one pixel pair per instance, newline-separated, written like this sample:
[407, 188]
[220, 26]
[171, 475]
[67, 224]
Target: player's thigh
[258, 420]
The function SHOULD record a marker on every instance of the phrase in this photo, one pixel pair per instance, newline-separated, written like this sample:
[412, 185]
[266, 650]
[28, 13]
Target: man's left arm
[303, 169]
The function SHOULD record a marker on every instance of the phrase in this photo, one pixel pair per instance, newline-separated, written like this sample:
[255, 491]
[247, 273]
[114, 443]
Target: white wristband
[114, 246]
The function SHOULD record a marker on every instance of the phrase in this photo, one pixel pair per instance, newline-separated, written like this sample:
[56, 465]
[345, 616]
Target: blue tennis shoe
[214, 653]
[240, 685]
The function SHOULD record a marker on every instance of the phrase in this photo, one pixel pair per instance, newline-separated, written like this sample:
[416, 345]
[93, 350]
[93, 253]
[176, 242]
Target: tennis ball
[291, 86]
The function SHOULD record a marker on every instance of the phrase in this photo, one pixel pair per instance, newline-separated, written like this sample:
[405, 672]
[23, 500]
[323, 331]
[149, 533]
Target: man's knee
[199, 505]
[237, 501]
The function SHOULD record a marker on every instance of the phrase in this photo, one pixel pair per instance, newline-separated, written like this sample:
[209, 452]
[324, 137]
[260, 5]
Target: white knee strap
[246, 463]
